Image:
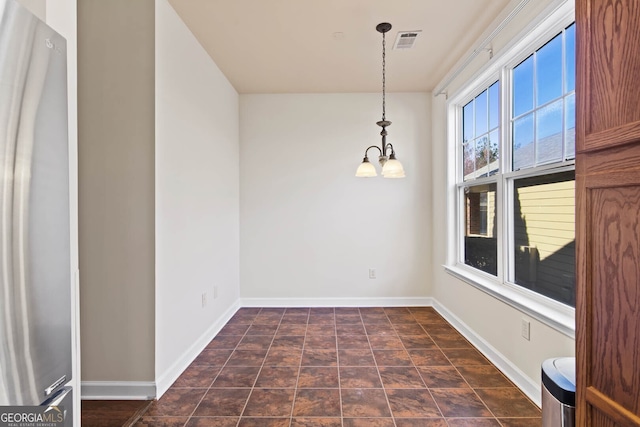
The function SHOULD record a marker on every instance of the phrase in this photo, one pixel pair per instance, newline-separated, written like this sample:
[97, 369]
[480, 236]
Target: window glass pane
[482, 146]
[480, 243]
[544, 233]
[494, 113]
[523, 87]
[467, 122]
[570, 59]
[469, 164]
[481, 113]
[549, 71]
[570, 127]
[494, 154]
[549, 133]
[523, 154]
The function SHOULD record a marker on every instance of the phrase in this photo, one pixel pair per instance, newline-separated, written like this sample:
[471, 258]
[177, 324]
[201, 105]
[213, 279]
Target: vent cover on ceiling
[406, 39]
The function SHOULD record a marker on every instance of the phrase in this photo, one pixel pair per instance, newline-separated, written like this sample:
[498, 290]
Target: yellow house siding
[544, 231]
[491, 213]
[548, 213]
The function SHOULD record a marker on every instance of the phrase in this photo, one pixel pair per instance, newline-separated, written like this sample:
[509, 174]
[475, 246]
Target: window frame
[502, 286]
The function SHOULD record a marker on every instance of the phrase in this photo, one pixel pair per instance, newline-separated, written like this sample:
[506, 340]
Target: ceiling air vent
[406, 39]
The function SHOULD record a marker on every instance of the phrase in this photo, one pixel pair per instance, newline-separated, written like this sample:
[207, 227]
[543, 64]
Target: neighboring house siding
[481, 250]
[491, 214]
[481, 198]
[544, 228]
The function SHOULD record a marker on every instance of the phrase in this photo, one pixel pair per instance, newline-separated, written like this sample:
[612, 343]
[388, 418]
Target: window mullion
[500, 235]
[564, 95]
[460, 256]
[505, 118]
[459, 191]
[509, 241]
[535, 109]
[506, 166]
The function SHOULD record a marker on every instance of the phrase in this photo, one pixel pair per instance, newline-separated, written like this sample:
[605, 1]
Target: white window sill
[551, 313]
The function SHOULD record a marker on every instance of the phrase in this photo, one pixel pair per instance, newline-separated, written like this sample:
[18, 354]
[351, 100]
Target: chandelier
[391, 167]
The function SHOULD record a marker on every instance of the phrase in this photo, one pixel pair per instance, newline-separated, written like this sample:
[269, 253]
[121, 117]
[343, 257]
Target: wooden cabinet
[608, 213]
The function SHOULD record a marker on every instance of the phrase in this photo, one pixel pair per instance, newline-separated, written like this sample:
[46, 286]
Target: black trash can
[559, 392]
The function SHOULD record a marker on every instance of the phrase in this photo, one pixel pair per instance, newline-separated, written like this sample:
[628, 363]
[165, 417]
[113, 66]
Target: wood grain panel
[616, 297]
[622, 158]
[583, 75]
[614, 37]
[612, 409]
[611, 137]
[601, 420]
[584, 296]
[607, 213]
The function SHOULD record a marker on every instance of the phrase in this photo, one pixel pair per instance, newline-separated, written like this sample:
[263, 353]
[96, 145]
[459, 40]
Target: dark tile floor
[112, 413]
[351, 367]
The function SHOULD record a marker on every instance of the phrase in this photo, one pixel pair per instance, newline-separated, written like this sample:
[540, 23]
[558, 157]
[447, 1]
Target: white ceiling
[290, 46]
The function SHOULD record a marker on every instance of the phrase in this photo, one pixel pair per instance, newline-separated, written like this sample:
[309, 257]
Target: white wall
[310, 230]
[492, 321]
[197, 195]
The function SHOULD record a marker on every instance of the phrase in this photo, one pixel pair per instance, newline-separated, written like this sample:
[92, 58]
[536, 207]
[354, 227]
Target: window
[515, 138]
[544, 235]
[480, 134]
[480, 239]
[543, 94]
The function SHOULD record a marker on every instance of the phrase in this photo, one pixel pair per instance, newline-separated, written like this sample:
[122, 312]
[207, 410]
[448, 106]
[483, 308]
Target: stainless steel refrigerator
[35, 278]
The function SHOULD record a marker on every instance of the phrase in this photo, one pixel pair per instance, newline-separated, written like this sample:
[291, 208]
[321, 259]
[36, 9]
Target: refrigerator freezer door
[35, 279]
[63, 402]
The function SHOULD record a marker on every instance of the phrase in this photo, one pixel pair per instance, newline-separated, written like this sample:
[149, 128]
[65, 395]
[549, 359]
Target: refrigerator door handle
[58, 400]
[55, 385]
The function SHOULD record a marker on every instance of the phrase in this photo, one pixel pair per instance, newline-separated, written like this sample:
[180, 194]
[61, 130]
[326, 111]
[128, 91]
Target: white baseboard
[143, 390]
[117, 390]
[519, 378]
[164, 381]
[337, 302]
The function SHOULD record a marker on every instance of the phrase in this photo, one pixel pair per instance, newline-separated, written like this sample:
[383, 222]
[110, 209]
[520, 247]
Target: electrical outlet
[372, 273]
[204, 300]
[526, 329]
[215, 292]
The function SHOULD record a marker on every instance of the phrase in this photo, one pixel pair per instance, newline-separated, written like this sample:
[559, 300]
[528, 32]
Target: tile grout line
[455, 367]
[246, 403]
[416, 368]
[295, 389]
[216, 376]
[335, 332]
[138, 415]
[223, 366]
[476, 393]
[463, 378]
[473, 389]
[384, 389]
